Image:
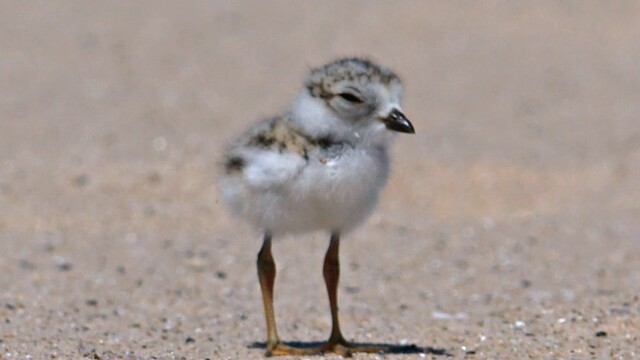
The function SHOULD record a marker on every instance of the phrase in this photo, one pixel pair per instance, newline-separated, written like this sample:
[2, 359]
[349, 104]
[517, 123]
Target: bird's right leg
[267, 276]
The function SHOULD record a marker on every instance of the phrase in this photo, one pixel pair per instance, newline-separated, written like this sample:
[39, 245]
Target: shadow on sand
[391, 348]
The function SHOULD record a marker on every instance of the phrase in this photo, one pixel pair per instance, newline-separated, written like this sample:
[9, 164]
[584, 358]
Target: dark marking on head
[352, 69]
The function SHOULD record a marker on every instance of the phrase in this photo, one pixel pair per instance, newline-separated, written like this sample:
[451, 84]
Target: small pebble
[154, 177]
[92, 302]
[160, 144]
[64, 266]
[601, 334]
[149, 210]
[190, 340]
[352, 289]
[26, 265]
[197, 264]
[81, 180]
[221, 275]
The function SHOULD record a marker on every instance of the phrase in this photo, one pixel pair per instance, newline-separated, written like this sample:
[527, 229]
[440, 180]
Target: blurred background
[509, 227]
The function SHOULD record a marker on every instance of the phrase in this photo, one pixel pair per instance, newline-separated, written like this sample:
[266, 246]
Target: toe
[342, 350]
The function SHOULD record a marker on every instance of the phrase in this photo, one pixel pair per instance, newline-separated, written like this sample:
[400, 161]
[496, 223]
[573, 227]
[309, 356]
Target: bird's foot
[344, 348]
[340, 347]
[280, 349]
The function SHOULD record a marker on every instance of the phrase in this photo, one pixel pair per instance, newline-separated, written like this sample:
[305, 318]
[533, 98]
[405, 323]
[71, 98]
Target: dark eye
[351, 98]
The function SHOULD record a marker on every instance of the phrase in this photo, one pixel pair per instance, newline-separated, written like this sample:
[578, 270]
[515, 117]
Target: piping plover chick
[319, 166]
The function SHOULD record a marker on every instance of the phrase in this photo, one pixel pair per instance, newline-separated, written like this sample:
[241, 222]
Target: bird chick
[319, 166]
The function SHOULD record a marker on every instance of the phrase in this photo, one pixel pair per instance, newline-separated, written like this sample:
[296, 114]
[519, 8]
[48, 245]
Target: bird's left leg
[331, 272]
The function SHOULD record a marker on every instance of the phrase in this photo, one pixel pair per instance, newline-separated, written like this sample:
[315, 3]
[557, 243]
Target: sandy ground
[510, 228]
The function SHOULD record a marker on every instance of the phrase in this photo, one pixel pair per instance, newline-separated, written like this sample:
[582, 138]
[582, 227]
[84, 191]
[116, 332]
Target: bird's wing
[269, 154]
[269, 169]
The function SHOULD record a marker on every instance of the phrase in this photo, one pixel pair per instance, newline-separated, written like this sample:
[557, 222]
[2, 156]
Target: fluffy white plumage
[321, 165]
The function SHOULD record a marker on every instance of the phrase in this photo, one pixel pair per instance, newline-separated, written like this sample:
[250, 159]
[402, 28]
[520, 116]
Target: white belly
[335, 193]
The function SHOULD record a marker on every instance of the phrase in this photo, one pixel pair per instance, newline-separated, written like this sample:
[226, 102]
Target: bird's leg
[331, 272]
[267, 275]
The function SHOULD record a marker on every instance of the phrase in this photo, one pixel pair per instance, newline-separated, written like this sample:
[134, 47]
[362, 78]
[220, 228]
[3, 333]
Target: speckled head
[322, 80]
[358, 89]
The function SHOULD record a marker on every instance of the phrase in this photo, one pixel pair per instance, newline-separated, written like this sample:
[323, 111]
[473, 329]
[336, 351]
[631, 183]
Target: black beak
[396, 121]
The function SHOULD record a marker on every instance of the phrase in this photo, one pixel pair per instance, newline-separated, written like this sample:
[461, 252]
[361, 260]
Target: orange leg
[331, 270]
[267, 276]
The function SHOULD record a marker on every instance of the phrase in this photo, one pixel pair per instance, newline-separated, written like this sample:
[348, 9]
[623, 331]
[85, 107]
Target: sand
[509, 229]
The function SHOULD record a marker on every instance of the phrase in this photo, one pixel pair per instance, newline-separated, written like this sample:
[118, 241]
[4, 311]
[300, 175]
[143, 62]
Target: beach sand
[510, 227]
